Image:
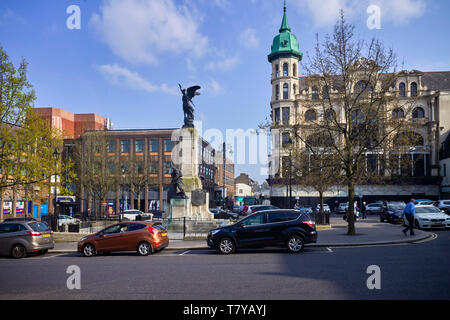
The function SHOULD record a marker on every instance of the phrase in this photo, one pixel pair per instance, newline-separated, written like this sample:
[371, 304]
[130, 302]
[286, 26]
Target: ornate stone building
[430, 119]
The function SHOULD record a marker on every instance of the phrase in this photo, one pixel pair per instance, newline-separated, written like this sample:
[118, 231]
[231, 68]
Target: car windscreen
[427, 210]
[38, 226]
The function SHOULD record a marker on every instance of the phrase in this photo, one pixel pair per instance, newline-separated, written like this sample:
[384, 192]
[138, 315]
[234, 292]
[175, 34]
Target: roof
[285, 43]
[439, 80]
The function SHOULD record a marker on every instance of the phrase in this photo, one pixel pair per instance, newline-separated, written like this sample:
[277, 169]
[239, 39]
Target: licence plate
[164, 234]
[46, 235]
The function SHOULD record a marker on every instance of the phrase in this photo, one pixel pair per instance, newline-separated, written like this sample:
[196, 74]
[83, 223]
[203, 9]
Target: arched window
[277, 92]
[362, 87]
[413, 89]
[418, 113]
[329, 115]
[325, 95]
[277, 71]
[294, 70]
[315, 93]
[398, 113]
[402, 89]
[285, 70]
[310, 115]
[294, 89]
[285, 91]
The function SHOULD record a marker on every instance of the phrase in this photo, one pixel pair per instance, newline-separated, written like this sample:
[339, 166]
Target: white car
[444, 205]
[131, 214]
[326, 208]
[63, 219]
[429, 217]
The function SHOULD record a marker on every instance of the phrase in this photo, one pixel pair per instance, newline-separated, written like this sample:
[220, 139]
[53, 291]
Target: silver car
[18, 238]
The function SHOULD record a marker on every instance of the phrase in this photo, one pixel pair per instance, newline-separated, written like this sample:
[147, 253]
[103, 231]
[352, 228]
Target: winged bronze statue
[188, 105]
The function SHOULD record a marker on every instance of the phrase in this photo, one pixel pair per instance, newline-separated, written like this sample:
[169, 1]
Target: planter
[74, 228]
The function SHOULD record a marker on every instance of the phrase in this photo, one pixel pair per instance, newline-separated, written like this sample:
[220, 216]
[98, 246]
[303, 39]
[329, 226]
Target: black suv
[289, 228]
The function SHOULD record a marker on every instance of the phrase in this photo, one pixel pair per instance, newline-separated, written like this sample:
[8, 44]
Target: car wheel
[43, 251]
[144, 249]
[226, 246]
[416, 224]
[18, 251]
[89, 250]
[381, 219]
[295, 244]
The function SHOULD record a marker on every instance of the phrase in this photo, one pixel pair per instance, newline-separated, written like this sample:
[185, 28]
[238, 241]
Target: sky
[126, 59]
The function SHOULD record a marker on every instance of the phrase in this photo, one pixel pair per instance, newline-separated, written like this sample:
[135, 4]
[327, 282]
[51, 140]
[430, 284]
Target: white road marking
[184, 252]
[329, 250]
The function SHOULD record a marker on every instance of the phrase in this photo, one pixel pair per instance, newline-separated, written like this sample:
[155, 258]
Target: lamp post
[54, 220]
[290, 172]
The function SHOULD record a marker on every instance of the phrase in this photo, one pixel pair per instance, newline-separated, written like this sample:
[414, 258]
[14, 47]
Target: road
[408, 271]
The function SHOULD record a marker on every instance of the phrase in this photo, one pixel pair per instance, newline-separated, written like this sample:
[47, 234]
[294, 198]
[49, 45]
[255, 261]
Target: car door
[253, 230]
[276, 222]
[110, 239]
[131, 236]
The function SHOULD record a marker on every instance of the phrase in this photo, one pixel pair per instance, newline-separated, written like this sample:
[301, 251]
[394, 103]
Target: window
[154, 146]
[112, 167]
[277, 92]
[285, 91]
[294, 69]
[398, 113]
[330, 115]
[125, 146]
[277, 217]
[315, 93]
[310, 115]
[277, 70]
[139, 146]
[38, 226]
[285, 70]
[153, 168]
[292, 215]
[444, 169]
[168, 145]
[167, 167]
[123, 168]
[135, 227]
[357, 117]
[139, 168]
[254, 220]
[325, 94]
[418, 113]
[286, 116]
[294, 89]
[112, 146]
[402, 89]
[285, 139]
[413, 89]
[113, 229]
[277, 115]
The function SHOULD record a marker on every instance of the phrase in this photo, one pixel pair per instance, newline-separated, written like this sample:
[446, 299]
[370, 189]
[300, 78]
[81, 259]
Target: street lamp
[56, 157]
[290, 172]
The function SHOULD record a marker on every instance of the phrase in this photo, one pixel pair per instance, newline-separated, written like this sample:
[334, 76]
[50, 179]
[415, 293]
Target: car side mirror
[242, 225]
[100, 234]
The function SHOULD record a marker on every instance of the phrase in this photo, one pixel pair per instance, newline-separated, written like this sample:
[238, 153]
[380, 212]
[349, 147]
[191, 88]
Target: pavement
[369, 232]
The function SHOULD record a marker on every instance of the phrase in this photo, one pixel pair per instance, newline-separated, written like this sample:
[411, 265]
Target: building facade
[430, 118]
[224, 188]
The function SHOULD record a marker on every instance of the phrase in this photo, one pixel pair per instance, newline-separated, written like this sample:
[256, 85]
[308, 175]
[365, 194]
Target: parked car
[342, 208]
[425, 203]
[250, 201]
[429, 217]
[144, 237]
[444, 205]
[286, 228]
[373, 208]
[19, 219]
[238, 209]
[326, 208]
[18, 238]
[132, 214]
[417, 201]
[63, 219]
[391, 211]
[305, 209]
[252, 209]
[222, 214]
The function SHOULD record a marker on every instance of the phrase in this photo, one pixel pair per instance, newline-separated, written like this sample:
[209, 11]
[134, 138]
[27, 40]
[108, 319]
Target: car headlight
[84, 238]
[424, 219]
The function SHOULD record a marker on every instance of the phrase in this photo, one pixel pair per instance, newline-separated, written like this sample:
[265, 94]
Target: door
[276, 221]
[253, 231]
[110, 239]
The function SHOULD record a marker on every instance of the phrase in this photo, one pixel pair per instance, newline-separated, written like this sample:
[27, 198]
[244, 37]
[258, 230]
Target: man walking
[408, 213]
[363, 209]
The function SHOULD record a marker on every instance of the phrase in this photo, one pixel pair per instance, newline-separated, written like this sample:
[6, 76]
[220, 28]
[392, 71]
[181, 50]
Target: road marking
[184, 252]
[329, 250]
[433, 237]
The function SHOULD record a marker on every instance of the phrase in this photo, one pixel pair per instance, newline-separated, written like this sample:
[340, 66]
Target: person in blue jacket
[409, 212]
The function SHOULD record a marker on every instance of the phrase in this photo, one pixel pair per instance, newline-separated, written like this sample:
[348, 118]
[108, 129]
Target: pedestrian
[297, 205]
[363, 209]
[408, 213]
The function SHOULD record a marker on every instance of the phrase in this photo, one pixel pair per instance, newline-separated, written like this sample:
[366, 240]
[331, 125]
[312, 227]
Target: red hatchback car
[144, 237]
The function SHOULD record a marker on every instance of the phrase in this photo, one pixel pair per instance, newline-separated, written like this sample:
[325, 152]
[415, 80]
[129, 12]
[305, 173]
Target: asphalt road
[408, 271]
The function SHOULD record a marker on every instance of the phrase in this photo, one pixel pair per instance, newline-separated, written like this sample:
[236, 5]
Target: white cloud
[249, 38]
[124, 77]
[326, 12]
[214, 88]
[139, 31]
[224, 64]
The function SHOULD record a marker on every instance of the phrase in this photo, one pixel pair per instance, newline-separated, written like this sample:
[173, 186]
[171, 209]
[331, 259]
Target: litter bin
[74, 228]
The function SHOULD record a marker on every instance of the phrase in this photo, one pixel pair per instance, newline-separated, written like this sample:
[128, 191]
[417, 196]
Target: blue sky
[127, 59]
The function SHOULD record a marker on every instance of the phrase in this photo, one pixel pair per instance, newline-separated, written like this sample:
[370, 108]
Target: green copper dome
[285, 44]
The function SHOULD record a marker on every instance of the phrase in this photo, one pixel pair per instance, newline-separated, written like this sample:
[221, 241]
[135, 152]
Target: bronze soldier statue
[188, 105]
